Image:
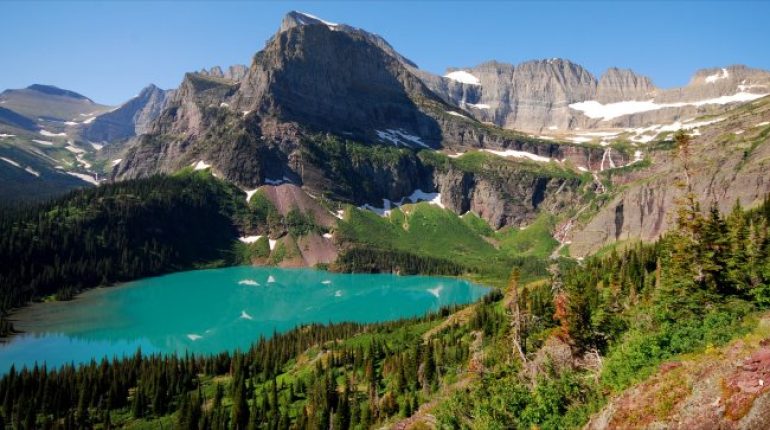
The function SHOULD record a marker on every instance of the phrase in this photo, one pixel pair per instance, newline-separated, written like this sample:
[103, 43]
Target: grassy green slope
[429, 231]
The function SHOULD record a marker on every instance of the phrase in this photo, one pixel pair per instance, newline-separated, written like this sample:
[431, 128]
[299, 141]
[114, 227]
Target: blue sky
[110, 50]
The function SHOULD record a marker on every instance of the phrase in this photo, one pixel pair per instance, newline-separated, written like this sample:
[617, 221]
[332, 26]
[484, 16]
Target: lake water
[209, 311]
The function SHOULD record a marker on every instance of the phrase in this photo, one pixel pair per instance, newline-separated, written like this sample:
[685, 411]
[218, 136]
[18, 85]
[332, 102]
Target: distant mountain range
[317, 85]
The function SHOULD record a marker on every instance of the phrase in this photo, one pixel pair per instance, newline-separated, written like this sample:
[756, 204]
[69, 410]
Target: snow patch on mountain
[647, 134]
[463, 77]
[250, 194]
[201, 165]
[47, 133]
[400, 138]
[88, 178]
[74, 149]
[453, 113]
[478, 106]
[432, 198]
[597, 110]
[11, 162]
[249, 239]
[417, 196]
[518, 154]
[269, 181]
[723, 74]
[307, 15]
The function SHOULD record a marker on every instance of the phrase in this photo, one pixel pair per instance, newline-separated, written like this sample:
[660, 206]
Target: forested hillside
[115, 233]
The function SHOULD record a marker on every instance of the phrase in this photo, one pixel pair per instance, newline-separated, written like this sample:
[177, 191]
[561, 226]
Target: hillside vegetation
[539, 355]
[542, 352]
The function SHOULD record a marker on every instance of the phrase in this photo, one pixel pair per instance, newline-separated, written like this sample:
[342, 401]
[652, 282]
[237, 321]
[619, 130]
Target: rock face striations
[622, 84]
[556, 94]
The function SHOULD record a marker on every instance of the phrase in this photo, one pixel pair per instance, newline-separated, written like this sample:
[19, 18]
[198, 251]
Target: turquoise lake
[210, 311]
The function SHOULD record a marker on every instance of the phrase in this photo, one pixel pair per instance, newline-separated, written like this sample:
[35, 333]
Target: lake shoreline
[246, 300]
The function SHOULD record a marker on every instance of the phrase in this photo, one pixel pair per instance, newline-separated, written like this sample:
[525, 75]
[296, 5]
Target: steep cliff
[555, 95]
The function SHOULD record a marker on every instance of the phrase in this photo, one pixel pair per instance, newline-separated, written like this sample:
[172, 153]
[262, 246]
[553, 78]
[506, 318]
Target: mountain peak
[296, 19]
[150, 88]
[56, 91]
[618, 84]
[234, 73]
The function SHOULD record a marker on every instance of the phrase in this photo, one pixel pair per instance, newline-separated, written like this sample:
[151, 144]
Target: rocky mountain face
[339, 82]
[131, 119]
[557, 95]
[623, 84]
[337, 111]
[296, 19]
[729, 165]
[317, 85]
[511, 199]
[516, 97]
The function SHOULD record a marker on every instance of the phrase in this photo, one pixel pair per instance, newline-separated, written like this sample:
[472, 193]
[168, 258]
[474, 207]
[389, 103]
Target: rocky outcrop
[131, 119]
[10, 121]
[504, 200]
[723, 389]
[316, 249]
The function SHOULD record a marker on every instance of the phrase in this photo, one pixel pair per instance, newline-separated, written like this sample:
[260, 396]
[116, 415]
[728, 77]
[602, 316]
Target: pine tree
[137, 407]
[343, 410]
[240, 409]
[517, 324]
